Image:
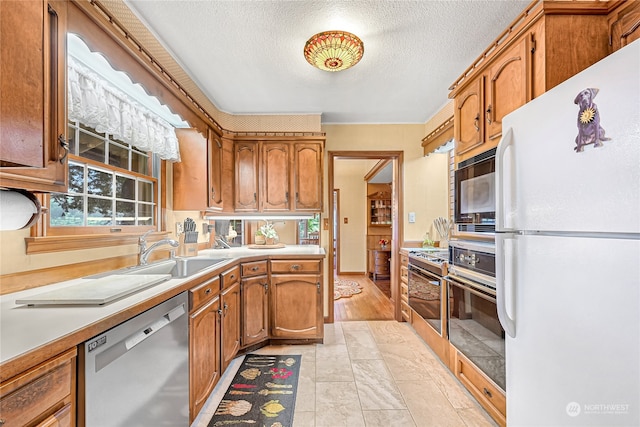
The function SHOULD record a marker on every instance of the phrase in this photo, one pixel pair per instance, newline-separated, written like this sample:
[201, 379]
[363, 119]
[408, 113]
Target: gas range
[433, 261]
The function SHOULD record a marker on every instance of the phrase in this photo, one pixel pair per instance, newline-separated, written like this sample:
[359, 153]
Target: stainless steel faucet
[143, 254]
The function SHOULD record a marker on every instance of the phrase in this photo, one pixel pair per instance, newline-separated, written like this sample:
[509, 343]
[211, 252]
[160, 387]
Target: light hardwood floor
[370, 304]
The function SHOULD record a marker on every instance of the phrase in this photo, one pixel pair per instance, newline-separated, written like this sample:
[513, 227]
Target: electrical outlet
[412, 217]
[179, 228]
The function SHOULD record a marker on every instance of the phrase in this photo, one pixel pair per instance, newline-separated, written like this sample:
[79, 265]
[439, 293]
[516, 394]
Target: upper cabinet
[33, 120]
[279, 176]
[247, 175]
[537, 52]
[624, 25]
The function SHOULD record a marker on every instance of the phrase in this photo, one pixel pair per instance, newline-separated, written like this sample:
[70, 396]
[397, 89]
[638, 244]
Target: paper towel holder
[29, 216]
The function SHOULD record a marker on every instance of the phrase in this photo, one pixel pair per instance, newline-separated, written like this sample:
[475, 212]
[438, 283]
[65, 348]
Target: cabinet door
[246, 182]
[190, 180]
[33, 114]
[255, 310]
[296, 306]
[624, 27]
[230, 324]
[508, 87]
[204, 354]
[275, 177]
[307, 177]
[215, 171]
[468, 120]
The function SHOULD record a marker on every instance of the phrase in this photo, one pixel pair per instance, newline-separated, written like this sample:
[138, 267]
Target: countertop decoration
[383, 243]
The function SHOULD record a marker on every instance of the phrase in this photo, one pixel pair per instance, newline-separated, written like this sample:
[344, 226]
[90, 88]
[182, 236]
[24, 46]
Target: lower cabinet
[255, 310]
[296, 306]
[204, 343]
[230, 304]
[482, 388]
[42, 396]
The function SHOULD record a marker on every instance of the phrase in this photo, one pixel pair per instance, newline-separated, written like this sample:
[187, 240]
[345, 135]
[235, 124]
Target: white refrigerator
[568, 249]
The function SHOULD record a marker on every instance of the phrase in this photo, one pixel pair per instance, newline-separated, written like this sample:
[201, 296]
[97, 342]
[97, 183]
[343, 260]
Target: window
[111, 185]
[309, 230]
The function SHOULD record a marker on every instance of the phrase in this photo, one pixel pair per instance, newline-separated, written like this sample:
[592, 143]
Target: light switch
[412, 217]
[346, 220]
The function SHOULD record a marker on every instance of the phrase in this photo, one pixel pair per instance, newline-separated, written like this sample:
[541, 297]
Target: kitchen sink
[177, 268]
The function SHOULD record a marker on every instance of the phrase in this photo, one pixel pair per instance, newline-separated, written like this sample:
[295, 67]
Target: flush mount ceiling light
[333, 50]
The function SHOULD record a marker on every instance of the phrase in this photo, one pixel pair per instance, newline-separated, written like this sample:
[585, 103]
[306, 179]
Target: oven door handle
[468, 286]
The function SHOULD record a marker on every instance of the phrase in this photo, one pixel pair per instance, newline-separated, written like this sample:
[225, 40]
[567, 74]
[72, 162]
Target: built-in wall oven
[473, 325]
[475, 200]
[426, 293]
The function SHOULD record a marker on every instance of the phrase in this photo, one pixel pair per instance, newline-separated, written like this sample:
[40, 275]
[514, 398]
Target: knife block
[187, 249]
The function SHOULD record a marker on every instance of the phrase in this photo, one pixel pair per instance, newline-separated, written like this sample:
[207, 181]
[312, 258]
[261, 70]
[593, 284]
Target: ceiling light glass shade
[333, 50]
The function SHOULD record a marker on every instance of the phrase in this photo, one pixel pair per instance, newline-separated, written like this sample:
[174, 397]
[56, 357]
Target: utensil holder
[187, 249]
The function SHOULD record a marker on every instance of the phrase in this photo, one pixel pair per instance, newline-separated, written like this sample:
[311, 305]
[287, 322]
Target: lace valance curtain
[95, 103]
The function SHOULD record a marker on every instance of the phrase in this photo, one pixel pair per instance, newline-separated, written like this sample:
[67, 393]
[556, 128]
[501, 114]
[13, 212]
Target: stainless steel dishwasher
[137, 373]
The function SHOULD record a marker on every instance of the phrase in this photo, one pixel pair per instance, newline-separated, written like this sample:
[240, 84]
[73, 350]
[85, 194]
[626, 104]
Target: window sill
[48, 244]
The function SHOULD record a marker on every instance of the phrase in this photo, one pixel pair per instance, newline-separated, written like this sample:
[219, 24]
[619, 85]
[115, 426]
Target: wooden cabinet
[230, 305]
[200, 176]
[247, 174]
[624, 25]
[536, 53]
[255, 310]
[275, 177]
[379, 211]
[33, 114]
[490, 396]
[204, 343]
[404, 287]
[216, 171]
[278, 176]
[295, 300]
[379, 263]
[307, 177]
[44, 395]
[480, 108]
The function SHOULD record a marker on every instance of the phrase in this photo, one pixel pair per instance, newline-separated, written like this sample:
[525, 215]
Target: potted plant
[269, 233]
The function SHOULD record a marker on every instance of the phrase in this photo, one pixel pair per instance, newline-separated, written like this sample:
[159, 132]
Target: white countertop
[24, 328]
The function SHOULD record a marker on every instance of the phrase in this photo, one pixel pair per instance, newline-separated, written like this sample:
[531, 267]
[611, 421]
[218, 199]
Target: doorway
[336, 246]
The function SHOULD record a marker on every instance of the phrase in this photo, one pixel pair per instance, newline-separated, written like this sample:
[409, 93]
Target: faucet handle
[143, 238]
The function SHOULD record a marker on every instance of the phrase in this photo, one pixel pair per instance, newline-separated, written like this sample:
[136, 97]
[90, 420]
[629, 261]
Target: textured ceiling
[246, 56]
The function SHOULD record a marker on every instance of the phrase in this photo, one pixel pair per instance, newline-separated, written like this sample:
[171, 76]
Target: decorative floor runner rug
[262, 393]
[345, 288]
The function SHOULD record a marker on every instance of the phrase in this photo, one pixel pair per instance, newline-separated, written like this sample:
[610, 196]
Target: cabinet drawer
[405, 311]
[404, 274]
[382, 261]
[204, 292]
[295, 266]
[404, 260]
[62, 418]
[483, 389]
[381, 255]
[230, 277]
[404, 292]
[38, 392]
[254, 268]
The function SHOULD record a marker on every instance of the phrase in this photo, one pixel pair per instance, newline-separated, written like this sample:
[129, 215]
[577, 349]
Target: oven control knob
[461, 257]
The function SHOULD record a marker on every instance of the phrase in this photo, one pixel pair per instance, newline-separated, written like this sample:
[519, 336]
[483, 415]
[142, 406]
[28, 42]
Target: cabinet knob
[487, 392]
[476, 122]
[233, 276]
[295, 267]
[208, 291]
[489, 114]
[318, 286]
[254, 268]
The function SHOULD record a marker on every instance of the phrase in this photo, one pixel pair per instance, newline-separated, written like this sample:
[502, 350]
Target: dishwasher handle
[119, 349]
[154, 327]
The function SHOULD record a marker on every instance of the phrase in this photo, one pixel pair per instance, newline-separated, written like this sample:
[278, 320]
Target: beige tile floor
[369, 373]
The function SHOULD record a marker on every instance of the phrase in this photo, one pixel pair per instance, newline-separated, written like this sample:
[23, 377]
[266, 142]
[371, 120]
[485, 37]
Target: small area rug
[345, 288]
[262, 393]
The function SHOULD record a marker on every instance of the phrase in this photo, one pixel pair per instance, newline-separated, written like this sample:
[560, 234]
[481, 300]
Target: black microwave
[475, 194]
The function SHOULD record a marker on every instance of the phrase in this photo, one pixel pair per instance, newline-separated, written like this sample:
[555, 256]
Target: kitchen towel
[262, 393]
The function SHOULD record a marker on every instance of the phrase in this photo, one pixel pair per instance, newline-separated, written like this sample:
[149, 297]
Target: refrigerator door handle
[505, 142]
[505, 284]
